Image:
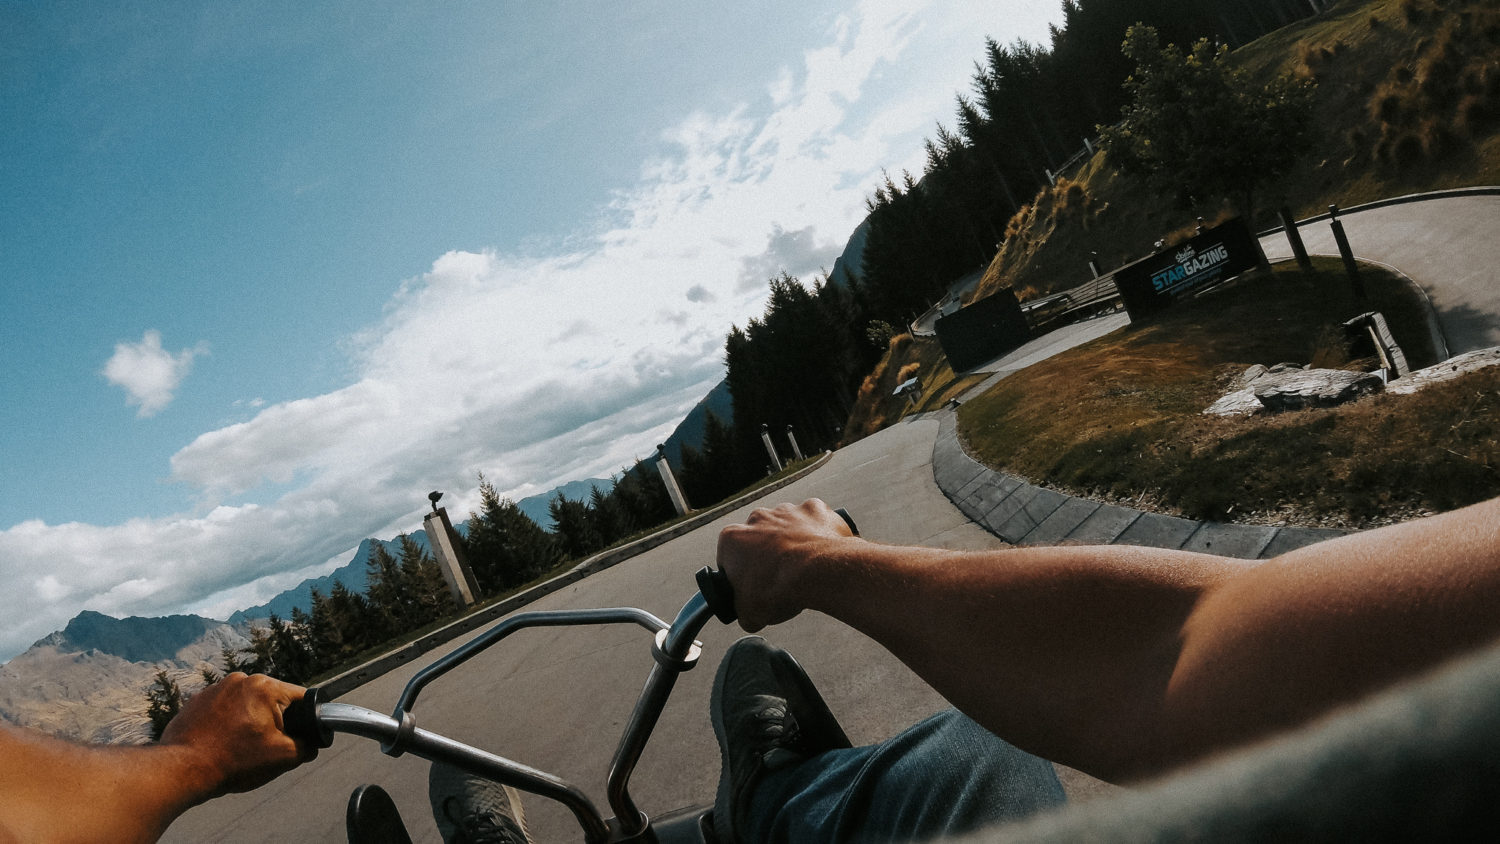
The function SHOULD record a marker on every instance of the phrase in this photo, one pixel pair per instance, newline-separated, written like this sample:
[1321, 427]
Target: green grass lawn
[1122, 416]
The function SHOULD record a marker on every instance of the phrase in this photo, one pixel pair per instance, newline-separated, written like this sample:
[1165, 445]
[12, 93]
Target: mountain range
[87, 682]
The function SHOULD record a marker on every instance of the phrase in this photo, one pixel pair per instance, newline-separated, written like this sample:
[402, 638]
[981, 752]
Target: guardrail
[1074, 160]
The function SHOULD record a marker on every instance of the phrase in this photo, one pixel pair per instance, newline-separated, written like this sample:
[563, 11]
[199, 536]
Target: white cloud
[149, 374]
[533, 370]
[796, 253]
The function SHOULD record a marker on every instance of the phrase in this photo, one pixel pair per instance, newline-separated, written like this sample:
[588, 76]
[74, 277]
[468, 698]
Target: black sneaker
[474, 810]
[767, 716]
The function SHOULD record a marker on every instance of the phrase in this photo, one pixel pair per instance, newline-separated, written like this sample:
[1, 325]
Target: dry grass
[1405, 97]
[874, 407]
[1121, 417]
[907, 356]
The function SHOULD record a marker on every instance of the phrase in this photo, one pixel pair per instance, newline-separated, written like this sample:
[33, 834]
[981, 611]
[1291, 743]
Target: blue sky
[272, 271]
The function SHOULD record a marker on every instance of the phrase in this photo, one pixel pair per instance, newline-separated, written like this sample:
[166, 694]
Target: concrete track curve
[1449, 244]
[555, 698]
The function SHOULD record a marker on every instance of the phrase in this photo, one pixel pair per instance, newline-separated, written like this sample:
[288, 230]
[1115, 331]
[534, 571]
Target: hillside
[353, 574]
[690, 431]
[1407, 99]
[87, 681]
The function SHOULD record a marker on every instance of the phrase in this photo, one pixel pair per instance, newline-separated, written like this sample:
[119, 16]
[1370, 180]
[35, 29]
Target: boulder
[1242, 401]
[1450, 368]
[1305, 388]
[1287, 386]
[1290, 386]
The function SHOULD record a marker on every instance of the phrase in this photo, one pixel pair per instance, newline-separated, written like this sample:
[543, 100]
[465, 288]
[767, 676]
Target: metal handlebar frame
[675, 650]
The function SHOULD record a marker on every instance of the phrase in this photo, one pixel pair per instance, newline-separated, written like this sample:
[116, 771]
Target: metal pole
[1350, 267]
[1294, 237]
[765, 437]
[792, 438]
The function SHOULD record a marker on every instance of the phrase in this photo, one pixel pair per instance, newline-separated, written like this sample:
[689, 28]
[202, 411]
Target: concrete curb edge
[1022, 513]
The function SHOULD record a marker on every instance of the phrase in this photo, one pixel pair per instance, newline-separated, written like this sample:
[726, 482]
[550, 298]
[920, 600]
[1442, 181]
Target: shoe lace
[781, 736]
[480, 827]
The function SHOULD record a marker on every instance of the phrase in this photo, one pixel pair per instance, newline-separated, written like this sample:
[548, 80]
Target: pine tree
[234, 660]
[696, 476]
[387, 593]
[643, 495]
[290, 658]
[608, 518]
[163, 702]
[261, 650]
[324, 637]
[504, 546]
[571, 526]
[429, 596]
[794, 365]
[351, 616]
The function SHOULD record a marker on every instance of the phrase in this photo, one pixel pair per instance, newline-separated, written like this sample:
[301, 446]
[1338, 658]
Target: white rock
[1447, 370]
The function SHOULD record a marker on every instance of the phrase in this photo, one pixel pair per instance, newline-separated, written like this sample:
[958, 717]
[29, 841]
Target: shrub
[1074, 196]
[1438, 139]
[1400, 148]
[900, 343]
[1019, 222]
[1471, 115]
[1389, 108]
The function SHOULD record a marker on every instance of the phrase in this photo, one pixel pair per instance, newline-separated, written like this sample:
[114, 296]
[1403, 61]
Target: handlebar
[719, 593]
[313, 722]
[300, 721]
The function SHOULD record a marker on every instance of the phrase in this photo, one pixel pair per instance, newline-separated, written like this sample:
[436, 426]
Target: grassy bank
[1121, 417]
[921, 357]
[1407, 100]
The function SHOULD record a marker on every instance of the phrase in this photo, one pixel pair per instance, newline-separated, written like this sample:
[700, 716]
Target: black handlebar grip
[719, 594]
[848, 520]
[300, 720]
[714, 585]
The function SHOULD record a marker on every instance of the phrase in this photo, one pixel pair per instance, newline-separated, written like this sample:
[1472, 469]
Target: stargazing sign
[1217, 254]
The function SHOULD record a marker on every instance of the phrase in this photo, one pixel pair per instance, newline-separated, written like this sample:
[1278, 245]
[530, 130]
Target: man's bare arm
[1125, 661]
[228, 738]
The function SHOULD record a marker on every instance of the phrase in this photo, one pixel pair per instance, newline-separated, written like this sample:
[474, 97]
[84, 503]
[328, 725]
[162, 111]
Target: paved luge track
[556, 698]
